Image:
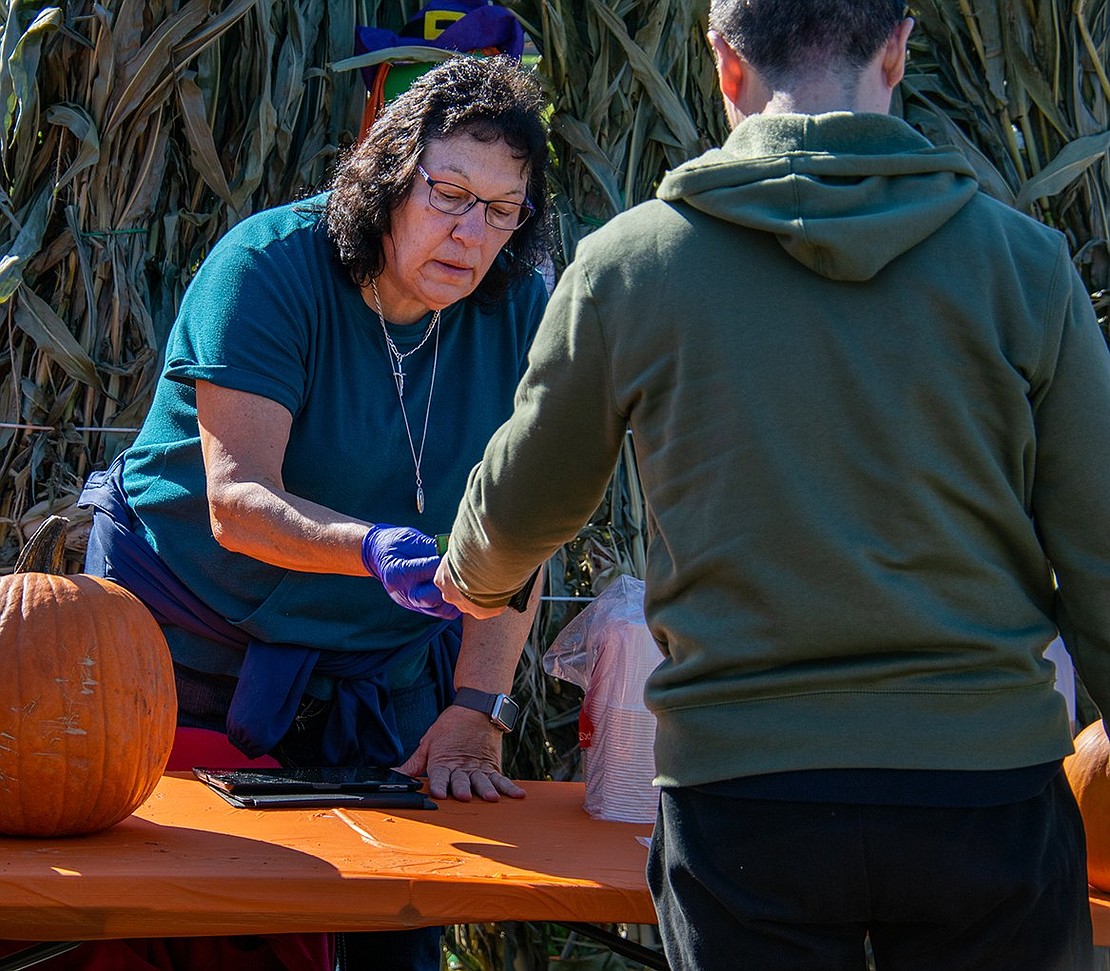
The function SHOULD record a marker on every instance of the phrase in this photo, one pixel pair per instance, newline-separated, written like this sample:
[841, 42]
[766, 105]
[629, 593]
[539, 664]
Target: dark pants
[203, 701]
[755, 885]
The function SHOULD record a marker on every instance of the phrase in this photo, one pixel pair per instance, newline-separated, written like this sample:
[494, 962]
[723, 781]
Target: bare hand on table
[461, 756]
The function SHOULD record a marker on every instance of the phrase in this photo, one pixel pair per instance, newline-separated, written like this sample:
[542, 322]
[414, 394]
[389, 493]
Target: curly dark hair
[492, 99]
[784, 39]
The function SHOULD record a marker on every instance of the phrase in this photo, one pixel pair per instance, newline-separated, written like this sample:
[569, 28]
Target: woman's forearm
[276, 527]
[243, 439]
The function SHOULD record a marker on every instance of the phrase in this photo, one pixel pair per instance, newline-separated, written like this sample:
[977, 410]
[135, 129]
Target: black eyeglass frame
[526, 208]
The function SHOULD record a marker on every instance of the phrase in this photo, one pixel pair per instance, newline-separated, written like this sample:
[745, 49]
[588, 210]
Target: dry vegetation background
[136, 132]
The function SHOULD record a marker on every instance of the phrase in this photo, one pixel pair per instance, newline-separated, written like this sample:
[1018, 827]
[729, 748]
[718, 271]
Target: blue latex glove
[405, 561]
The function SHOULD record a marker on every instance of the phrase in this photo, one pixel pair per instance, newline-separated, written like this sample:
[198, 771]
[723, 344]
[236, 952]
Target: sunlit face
[433, 259]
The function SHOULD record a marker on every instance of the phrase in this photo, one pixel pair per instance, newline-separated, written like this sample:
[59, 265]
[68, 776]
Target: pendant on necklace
[419, 499]
[399, 377]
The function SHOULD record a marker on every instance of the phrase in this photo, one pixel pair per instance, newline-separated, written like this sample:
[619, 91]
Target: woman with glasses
[334, 373]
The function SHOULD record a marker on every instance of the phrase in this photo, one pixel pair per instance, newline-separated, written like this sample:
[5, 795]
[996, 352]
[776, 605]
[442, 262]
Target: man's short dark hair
[786, 39]
[491, 99]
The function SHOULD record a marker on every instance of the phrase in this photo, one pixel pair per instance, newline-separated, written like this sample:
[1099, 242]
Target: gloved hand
[405, 561]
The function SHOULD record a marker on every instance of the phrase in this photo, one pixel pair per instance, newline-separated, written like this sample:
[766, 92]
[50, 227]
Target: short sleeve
[246, 320]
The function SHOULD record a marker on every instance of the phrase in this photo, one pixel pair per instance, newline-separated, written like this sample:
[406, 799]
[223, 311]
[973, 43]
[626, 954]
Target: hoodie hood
[844, 193]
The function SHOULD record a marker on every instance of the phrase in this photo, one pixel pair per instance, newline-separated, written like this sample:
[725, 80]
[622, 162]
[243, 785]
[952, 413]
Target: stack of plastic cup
[619, 764]
[608, 651]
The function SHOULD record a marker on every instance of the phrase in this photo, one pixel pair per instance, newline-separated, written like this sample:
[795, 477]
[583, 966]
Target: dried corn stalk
[1022, 88]
[134, 136]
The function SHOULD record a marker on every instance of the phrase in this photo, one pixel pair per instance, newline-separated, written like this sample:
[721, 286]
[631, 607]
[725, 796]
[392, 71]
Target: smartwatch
[501, 709]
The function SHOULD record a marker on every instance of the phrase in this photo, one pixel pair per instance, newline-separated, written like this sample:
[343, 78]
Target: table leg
[35, 954]
[648, 957]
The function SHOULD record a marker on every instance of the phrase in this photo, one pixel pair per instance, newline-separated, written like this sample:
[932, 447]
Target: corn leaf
[1073, 160]
[34, 317]
[199, 134]
[27, 242]
[591, 156]
[83, 128]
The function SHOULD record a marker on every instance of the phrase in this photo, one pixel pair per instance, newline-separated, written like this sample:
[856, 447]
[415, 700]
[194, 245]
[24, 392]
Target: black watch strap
[500, 708]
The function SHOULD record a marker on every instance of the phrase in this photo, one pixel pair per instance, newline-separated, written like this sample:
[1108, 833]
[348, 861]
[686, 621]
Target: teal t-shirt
[273, 313]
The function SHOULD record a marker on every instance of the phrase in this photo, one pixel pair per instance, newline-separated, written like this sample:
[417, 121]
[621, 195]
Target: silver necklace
[396, 357]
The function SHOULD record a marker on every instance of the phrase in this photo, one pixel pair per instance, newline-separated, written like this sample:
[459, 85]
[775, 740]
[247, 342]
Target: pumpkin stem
[45, 550]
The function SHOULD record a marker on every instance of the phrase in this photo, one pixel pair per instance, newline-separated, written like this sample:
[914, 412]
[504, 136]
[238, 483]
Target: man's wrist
[486, 603]
[502, 711]
[453, 576]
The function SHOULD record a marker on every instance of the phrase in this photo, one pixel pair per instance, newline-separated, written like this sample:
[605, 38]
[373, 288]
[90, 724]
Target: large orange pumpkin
[87, 704]
[1088, 771]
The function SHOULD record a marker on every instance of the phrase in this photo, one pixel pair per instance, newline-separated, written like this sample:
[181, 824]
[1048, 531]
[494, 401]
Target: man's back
[840, 473]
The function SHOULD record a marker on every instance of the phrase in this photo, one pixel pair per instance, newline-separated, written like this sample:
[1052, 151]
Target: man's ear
[730, 68]
[894, 54]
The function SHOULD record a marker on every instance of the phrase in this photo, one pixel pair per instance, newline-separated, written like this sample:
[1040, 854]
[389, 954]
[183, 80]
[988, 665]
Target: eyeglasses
[455, 201]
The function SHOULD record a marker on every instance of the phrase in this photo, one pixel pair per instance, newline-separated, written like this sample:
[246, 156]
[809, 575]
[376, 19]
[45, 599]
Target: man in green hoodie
[871, 411]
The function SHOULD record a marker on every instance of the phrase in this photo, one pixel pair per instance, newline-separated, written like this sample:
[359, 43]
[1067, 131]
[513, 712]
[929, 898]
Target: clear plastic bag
[608, 651]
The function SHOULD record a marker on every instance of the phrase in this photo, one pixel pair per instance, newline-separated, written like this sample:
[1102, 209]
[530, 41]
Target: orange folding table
[188, 863]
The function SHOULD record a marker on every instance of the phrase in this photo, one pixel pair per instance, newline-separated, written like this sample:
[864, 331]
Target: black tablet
[328, 800]
[318, 780]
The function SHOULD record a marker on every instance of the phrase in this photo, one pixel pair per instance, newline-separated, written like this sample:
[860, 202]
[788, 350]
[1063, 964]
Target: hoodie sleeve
[545, 470]
[1071, 402]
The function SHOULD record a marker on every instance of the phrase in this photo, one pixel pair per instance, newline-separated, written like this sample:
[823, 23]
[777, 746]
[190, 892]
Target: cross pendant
[399, 377]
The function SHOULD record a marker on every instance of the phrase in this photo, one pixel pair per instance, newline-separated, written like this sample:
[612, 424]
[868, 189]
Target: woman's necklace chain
[396, 357]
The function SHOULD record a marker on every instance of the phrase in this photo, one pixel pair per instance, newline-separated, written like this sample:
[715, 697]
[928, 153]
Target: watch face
[505, 712]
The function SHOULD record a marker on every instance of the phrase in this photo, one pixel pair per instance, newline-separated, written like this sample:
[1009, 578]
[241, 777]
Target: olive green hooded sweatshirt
[871, 412]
